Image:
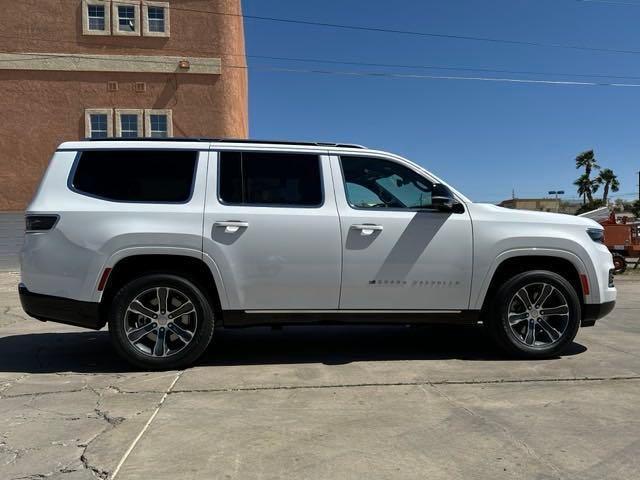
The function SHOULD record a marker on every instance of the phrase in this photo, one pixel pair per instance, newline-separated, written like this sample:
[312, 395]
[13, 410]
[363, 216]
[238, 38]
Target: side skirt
[253, 318]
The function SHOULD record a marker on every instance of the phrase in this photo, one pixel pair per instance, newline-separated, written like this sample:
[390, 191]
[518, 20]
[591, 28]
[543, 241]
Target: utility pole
[639, 186]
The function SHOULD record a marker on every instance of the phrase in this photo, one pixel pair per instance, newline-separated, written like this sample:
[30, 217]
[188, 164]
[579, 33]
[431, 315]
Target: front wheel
[160, 322]
[535, 315]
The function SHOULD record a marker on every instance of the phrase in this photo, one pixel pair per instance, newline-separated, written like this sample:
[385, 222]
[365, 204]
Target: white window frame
[147, 121]
[129, 111]
[107, 17]
[116, 17]
[98, 111]
[145, 19]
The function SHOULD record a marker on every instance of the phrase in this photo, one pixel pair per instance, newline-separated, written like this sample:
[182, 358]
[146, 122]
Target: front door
[271, 226]
[398, 252]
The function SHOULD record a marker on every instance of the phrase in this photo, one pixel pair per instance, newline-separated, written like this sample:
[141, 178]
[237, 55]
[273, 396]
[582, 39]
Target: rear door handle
[231, 226]
[367, 228]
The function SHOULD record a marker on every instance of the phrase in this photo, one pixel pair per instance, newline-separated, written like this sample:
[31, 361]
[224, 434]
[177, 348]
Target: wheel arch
[512, 263]
[125, 267]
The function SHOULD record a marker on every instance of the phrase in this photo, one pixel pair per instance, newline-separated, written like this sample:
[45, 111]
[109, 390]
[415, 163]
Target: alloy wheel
[538, 314]
[160, 321]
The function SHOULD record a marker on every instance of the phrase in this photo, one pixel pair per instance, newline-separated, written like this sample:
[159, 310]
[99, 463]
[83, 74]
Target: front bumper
[60, 310]
[593, 311]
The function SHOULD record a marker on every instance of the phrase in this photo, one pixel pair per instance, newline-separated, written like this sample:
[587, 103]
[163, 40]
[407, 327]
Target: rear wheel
[161, 322]
[535, 315]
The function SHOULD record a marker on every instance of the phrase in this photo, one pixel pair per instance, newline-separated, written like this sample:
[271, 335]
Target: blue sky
[484, 138]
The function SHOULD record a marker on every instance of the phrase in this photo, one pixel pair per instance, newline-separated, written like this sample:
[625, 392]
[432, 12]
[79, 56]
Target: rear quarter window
[143, 176]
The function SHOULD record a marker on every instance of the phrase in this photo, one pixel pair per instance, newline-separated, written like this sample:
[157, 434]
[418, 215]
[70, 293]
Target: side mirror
[442, 199]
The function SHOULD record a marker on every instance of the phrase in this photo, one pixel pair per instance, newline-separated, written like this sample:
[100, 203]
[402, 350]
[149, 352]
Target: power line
[611, 2]
[365, 28]
[363, 64]
[393, 75]
[441, 67]
[443, 77]
[421, 33]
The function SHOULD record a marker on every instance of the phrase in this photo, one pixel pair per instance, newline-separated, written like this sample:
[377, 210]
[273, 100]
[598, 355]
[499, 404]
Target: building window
[158, 123]
[96, 17]
[156, 18]
[128, 123]
[98, 122]
[126, 17]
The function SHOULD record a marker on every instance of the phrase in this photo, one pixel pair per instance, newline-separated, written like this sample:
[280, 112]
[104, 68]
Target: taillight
[40, 223]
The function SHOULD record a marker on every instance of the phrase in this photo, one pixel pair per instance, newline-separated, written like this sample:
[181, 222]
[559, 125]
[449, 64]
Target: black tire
[516, 340]
[120, 318]
[620, 263]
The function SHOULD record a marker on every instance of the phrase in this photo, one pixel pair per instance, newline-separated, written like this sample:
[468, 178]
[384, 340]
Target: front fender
[479, 290]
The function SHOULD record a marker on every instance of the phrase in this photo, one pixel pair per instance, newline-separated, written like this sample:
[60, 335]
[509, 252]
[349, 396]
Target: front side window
[136, 176]
[378, 183]
[276, 179]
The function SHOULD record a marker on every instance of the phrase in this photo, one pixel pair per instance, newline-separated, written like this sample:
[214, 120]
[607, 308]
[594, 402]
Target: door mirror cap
[442, 199]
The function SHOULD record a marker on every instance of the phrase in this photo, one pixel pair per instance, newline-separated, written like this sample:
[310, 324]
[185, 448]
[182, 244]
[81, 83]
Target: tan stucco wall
[41, 109]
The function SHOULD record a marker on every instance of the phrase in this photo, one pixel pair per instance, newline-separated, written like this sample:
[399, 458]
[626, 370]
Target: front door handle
[231, 226]
[367, 228]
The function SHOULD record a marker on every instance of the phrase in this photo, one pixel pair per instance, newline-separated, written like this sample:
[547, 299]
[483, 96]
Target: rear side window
[136, 175]
[277, 179]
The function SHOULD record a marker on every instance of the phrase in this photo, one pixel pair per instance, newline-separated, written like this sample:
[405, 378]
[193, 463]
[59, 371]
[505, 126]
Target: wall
[41, 109]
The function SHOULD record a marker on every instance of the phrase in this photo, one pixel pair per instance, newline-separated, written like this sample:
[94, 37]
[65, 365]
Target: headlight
[596, 234]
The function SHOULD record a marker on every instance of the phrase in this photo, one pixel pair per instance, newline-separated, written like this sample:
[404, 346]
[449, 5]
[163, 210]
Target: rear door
[398, 253]
[271, 226]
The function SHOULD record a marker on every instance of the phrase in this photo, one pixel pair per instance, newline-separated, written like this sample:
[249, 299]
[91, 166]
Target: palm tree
[610, 181]
[587, 160]
[584, 185]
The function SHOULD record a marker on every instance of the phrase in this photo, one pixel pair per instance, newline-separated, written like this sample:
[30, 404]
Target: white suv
[165, 240]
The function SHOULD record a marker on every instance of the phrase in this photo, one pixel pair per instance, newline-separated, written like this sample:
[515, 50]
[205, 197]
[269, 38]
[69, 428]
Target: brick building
[98, 68]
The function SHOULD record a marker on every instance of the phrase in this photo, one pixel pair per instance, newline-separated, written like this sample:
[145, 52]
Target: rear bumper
[60, 310]
[593, 311]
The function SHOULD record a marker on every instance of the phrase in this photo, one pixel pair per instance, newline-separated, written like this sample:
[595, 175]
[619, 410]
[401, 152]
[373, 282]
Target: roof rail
[225, 140]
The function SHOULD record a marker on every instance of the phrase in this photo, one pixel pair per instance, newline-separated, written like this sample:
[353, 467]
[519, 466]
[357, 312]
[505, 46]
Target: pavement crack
[7, 385]
[402, 384]
[96, 471]
[124, 457]
[115, 421]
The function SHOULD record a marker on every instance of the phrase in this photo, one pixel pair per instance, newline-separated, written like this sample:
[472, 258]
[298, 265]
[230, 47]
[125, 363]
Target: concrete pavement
[320, 403]
[11, 236]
